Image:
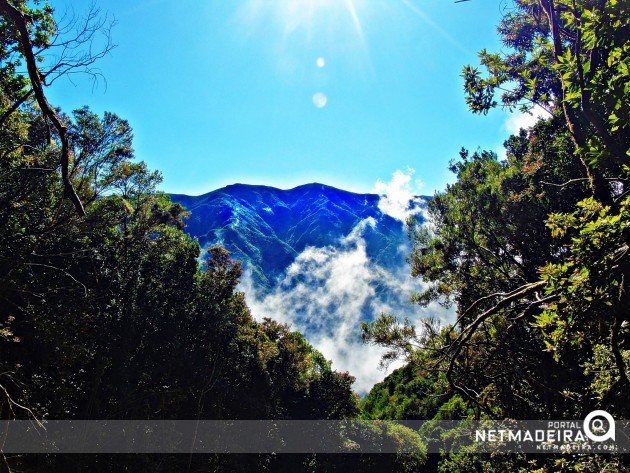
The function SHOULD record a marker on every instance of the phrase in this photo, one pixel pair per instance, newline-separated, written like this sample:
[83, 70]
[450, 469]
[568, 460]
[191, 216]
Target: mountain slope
[267, 228]
[318, 258]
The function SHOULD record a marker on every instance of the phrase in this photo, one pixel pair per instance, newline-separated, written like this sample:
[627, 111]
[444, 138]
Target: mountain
[267, 228]
[318, 258]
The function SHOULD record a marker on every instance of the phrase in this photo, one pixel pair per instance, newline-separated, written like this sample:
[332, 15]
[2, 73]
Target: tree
[536, 262]
[488, 239]
[23, 47]
[571, 56]
[111, 317]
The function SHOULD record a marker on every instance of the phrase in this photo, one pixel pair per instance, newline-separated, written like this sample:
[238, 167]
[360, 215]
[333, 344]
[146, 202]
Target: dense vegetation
[533, 250]
[106, 312]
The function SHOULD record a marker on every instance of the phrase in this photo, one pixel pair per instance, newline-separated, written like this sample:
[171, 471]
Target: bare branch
[581, 179]
[77, 54]
[11, 403]
[62, 271]
[471, 329]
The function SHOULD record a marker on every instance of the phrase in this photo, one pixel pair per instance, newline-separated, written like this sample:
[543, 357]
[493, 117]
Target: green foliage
[14, 84]
[111, 316]
[590, 313]
[533, 250]
[589, 289]
[470, 461]
[386, 436]
[406, 394]
[571, 56]
[488, 235]
[488, 231]
[601, 371]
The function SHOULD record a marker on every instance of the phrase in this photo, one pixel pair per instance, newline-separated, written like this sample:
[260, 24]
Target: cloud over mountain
[400, 197]
[321, 259]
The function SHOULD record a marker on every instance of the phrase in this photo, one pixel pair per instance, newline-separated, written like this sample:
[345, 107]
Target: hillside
[320, 259]
[267, 228]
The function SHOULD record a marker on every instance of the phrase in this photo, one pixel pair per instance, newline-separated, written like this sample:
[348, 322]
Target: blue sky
[285, 92]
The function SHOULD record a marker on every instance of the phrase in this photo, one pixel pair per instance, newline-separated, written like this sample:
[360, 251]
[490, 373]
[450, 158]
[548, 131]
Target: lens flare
[320, 100]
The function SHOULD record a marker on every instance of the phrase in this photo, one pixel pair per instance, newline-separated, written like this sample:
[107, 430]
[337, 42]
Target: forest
[108, 313]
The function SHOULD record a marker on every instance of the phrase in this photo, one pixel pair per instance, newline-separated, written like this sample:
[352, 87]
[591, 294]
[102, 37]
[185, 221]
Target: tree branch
[471, 329]
[14, 107]
[35, 76]
[578, 133]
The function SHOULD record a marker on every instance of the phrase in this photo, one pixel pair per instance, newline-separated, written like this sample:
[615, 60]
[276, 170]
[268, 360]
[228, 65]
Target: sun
[304, 16]
[302, 13]
[341, 20]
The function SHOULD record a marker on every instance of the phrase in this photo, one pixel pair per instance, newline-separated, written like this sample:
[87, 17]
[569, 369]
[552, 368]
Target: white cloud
[398, 195]
[518, 120]
[327, 292]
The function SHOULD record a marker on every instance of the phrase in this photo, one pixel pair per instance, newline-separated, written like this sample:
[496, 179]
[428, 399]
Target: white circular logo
[598, 425]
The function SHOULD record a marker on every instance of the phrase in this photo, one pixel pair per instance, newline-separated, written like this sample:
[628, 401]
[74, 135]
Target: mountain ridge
[320, 259]
[264, 186]
[267, 227]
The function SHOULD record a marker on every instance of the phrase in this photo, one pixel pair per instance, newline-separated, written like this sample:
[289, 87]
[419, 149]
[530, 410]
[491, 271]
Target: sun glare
[332, 33]
[305, 15]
